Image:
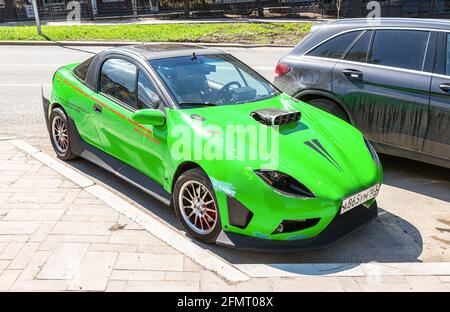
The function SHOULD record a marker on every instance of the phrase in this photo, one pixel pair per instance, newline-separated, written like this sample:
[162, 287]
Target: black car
[391, 79]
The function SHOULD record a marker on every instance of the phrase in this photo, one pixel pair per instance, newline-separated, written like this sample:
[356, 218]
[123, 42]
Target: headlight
[284, 183]
[372, 152]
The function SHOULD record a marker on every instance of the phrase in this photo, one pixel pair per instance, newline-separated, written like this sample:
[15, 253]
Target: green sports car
[242, 163]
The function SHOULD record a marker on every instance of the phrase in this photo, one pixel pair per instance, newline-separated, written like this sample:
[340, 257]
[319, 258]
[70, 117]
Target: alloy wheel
[198, 207]
[60, 135]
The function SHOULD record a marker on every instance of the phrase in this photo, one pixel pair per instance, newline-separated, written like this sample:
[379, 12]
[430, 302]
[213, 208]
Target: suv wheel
[330, 107]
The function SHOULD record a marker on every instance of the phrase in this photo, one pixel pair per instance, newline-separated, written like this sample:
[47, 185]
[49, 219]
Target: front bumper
[341, 227]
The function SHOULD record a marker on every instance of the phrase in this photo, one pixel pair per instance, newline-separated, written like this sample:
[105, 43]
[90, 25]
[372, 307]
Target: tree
[260, 8]
[90, 10]
[186, 8]
[154, 5]
[338, 7]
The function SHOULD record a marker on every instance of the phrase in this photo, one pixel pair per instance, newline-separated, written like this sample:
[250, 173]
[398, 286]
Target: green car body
[324, 153]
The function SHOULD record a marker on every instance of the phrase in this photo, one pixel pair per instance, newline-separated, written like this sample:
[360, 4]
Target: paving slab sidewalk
[55, 236]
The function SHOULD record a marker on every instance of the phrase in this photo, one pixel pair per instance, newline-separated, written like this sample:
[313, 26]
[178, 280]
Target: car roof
[323, 31]
[394, 22]
[159, 51]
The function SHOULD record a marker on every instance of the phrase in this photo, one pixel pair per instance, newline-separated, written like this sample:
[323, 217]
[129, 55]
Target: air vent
[289, 226]
[238, 215]
[275, 116]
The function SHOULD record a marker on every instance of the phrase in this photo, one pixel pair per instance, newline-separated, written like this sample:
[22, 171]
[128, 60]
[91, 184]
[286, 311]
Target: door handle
[445, 87]
[97, 108]
[352, 73]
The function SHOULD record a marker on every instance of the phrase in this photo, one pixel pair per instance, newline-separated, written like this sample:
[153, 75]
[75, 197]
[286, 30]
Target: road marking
[7, 138]
[150, 222]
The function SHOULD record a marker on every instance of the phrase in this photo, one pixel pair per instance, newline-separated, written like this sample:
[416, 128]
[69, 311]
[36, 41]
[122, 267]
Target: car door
[75, 96]
[313, 70]
[384, 83]
[123, 89]
[437, 141]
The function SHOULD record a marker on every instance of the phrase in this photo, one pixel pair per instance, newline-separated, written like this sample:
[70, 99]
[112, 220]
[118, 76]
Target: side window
[147, 94]
[336, 47]
[358, 53]
[447, 63]
[81, 70]
[400, 48]
[118, 79]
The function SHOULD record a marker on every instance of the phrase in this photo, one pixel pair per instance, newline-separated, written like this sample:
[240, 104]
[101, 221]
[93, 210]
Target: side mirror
[152, 117]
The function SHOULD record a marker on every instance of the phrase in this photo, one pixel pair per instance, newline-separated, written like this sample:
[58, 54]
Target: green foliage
[259, 33]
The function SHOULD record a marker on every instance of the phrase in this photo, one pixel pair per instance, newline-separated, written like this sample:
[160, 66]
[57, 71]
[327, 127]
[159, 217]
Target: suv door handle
[97, 108]
[353, 73]
[445, 87]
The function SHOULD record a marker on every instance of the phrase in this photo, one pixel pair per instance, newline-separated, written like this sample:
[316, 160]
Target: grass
[250, 33]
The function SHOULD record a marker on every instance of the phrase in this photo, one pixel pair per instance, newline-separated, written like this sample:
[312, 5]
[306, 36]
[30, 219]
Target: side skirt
[115, 166]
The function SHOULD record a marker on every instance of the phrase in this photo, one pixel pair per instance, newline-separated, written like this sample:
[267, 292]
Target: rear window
[400, 48]
[335, 47]
[358, 53]
[81, 70]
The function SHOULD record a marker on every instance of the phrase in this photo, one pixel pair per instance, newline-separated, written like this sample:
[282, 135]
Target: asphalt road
[23, 69]
[414, 202]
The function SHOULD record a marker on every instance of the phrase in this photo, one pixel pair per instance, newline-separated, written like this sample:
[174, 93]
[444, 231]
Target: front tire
[196, 206]
[59, 135]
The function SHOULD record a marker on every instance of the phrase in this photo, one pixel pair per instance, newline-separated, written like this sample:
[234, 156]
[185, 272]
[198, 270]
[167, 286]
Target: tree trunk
[260, 8]
[432, 8]
[134, 8]
[90, 10]
[154, 5]
[186, 8]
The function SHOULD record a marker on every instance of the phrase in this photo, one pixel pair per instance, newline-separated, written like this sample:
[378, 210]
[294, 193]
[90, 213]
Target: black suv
[391, 79]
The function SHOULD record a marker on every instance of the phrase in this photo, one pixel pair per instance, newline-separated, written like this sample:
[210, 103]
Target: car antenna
[194, 57]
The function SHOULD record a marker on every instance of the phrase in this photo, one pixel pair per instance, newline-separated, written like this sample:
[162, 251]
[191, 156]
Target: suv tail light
[282, 69]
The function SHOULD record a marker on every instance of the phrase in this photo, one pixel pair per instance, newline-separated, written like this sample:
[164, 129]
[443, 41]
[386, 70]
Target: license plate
[359, 198]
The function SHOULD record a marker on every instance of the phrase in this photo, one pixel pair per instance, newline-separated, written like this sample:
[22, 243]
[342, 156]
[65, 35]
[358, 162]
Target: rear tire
[196, 206]
[330, 107]
[59, 135]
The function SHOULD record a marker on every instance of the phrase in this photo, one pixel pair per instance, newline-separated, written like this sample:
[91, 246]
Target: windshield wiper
[196, 104]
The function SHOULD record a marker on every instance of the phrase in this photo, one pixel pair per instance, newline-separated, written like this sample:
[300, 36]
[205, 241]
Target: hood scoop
[275, 116]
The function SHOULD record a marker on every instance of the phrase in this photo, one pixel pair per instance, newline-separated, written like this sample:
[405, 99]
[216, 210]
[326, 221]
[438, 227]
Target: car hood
[326, 154]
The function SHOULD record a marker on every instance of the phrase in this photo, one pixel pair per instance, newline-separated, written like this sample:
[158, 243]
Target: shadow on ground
[386, 239]
[417, 177]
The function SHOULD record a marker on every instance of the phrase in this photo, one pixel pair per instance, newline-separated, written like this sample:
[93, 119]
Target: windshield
[211, 80]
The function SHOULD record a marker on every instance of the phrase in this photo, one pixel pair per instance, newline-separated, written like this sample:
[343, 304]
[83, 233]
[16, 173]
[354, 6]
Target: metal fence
[51, 10]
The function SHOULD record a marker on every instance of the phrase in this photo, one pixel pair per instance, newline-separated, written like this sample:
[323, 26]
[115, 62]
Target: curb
[125, 43]
[153, 224]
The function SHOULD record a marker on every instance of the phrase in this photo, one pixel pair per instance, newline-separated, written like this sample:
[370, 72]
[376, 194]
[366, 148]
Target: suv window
[118, 79]
[81, 70]
[358, 53]
[147, 94]
[400, 48]
[335, 47]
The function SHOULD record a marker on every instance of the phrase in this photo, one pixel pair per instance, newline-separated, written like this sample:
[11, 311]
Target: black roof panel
[158, 51]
